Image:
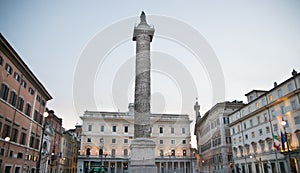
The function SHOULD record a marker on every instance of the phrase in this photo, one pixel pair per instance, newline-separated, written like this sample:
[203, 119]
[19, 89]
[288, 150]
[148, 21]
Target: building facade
[106, 138]
[266, 132]
[213, 137]
[22, 102]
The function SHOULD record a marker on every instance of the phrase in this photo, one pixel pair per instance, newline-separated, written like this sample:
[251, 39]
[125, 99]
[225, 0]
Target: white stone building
[253, 125]
[106, 138]
[213, 137]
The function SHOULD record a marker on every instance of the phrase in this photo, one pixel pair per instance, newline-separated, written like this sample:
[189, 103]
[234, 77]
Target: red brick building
[22, 102]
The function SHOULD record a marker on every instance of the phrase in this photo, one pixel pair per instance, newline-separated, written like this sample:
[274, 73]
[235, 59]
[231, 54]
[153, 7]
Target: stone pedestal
[142, 156]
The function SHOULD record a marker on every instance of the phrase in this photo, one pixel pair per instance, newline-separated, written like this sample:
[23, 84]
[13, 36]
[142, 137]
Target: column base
[142, 156]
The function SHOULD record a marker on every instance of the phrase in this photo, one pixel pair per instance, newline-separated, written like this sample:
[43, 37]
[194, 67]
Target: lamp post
[283, 123]
[38, 163]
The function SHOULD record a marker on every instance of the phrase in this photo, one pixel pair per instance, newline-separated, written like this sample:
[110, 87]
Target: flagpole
[273, 140]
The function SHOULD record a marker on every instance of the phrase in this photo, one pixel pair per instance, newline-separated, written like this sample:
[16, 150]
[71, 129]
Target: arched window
[100, 152]
[4, 92]
[88, 151]
[113, 152]
[184, 152]
[13, 98]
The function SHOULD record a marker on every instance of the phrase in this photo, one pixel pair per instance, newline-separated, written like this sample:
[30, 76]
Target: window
[184, 152]
[114, 128]
[161, 130]
[17, 76]
[23, 137]
[20, 104]
[101, 141]
[27, 109]
[251, 123]
[6, 130]
[233, 131]
[239, 128]
[172, 130]
[275, 127]
[297, 119]
[13, 98]
[125, 129]
[290, 87]
[31, 142]
[245, 125]
[226, 120]
[125, 152]
[4, 92]
[125, 141]
[253, 134]
[89, 140]
[20, 155]
[260, 132]
[113, 152]
[273, 113]
[15, 133]
[113, 140]
[262, 145]
[228, 140]
[102, 128]
[161, 141]
[8, 68]
[294, 105]
[173, 152]
[270, 97]
[88, 151]
[256, 105]
[23, 84]
[258, 119]
[183, 130]
[263, 102]
[161, 152]
[1, 60]
[90, 127]
[31, 91]
[173, 142]
[279, 92]
[246, 137]
[240, 139]
[183, 141]
[234, 140]
[267, 129]
[282, 108]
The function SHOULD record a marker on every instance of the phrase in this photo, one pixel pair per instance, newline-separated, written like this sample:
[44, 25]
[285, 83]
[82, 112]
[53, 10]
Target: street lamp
[283, 123]
[38, 163]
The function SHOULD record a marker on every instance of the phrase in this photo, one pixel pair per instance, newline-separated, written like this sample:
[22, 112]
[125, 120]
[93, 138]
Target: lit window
[256, 105]
[270, 97]
[234, 140]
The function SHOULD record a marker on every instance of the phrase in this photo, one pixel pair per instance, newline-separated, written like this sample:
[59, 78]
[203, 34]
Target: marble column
[142, 147]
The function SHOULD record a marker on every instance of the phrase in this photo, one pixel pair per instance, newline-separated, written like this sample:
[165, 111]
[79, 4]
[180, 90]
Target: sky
[215, 51]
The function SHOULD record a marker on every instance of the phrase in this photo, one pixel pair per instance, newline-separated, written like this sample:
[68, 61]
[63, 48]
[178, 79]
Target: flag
[276, 142]
[283, 141]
